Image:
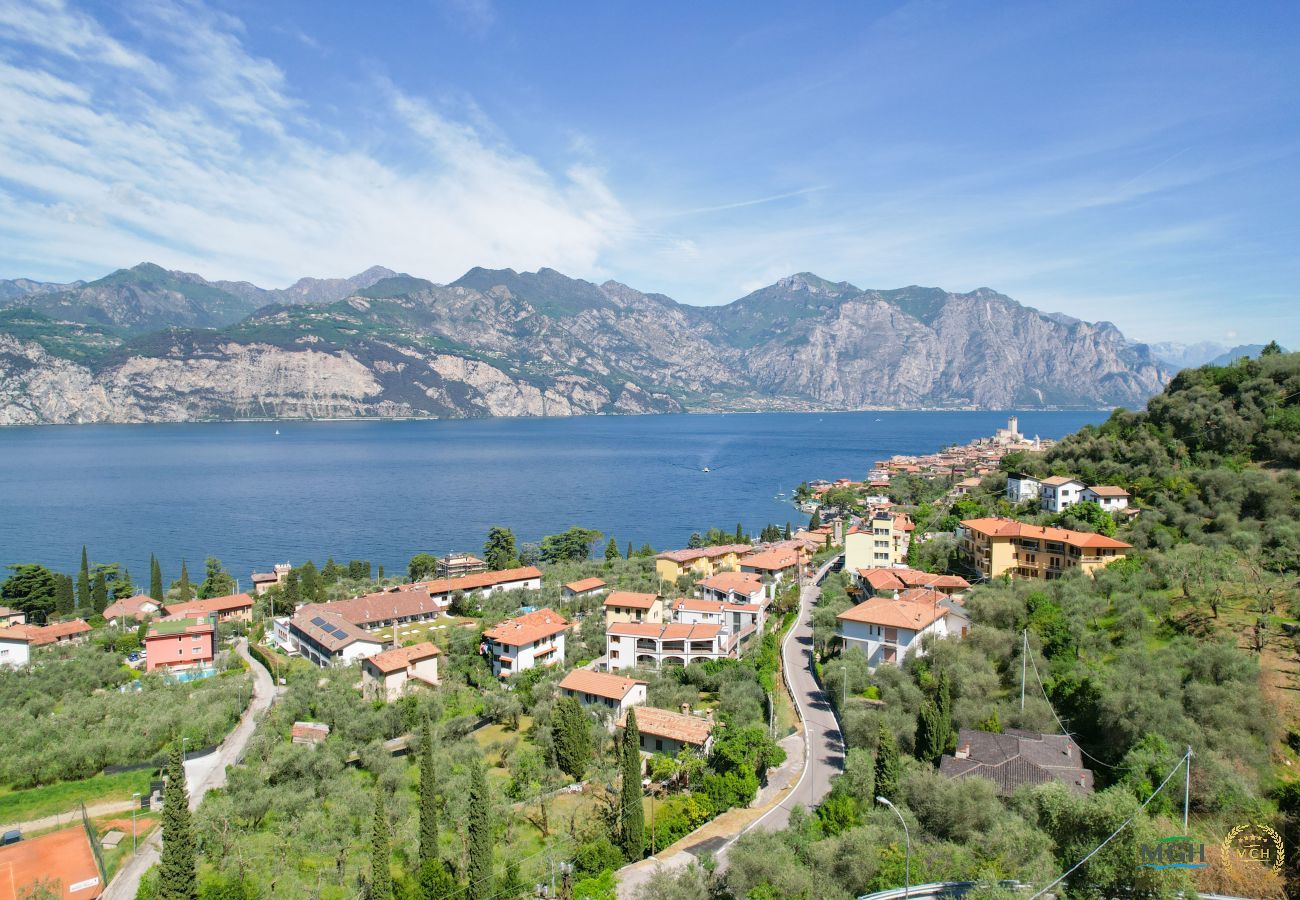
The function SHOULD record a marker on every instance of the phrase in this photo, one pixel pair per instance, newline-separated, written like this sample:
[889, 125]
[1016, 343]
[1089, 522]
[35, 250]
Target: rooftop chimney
[963, 752]
[686, 709]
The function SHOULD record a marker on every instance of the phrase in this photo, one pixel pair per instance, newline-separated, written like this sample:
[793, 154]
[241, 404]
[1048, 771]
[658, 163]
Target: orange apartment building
[1004, 546]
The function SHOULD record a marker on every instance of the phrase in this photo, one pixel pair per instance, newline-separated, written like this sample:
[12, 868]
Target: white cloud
[201, 157]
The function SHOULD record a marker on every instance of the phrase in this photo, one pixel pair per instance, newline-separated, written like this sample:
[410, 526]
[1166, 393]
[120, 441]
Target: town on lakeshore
[941, 643]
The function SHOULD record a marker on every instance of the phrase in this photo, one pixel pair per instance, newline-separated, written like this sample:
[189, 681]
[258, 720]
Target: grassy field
[415, 632]
[36, 803]
[114, 859]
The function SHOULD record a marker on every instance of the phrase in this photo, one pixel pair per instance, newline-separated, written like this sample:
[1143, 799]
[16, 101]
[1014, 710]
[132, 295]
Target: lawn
[36, 803]
[415, 632]
[114, 859]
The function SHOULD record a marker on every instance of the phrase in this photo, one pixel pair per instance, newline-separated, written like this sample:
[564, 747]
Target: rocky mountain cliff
[145, 344]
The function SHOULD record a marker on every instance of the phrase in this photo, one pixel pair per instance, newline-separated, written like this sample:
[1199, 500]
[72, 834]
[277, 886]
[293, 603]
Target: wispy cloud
[200, 155]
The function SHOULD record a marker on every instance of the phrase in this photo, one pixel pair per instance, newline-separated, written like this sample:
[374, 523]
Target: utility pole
[1187, 787]
[844, 692]
[1024, 659]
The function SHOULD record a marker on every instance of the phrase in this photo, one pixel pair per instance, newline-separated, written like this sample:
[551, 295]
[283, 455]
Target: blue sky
[1132, 162]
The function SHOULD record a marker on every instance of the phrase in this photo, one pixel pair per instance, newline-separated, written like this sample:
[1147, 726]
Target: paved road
[822, 746]
[201, 775]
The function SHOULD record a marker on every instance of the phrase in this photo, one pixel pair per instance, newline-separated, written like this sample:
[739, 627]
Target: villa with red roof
[732, 587]
[179, 643]
[887, 631]
[886, 581]
[629, 606]
[130, 610]
[390, 674]
[701, 562]
[611, 692]
[238, 607]
[533, 639]
[668, 732]
[777, 563]
[586, 587]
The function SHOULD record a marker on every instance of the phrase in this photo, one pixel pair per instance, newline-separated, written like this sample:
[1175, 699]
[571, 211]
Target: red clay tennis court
[64, 856]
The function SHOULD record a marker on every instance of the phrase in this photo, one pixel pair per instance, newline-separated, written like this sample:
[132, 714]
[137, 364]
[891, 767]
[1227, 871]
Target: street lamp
[907, 859]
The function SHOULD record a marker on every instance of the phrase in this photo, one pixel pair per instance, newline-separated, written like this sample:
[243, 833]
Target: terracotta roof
[885, 579]
[675, 726]
[745, 583]
[1012, 528]
[601, 684]
[401, 657]
[771, 560]
[211, 605]
[712, 606]
[384, 605]
[478, 580]
[264, 577]
[586, 584]
[309, 732]
[174, 625]
[6, 611]
[630, 600]
[39, 635]
[17, 633]
[1108, 490]
[667, 631]
[683, 556]
[328, 628]
[895, 613]
[1058, 480]
[921, 595]
[527, 628]
[131, 606]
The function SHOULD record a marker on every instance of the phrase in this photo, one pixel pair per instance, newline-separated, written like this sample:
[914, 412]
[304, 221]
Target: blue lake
[385, 490]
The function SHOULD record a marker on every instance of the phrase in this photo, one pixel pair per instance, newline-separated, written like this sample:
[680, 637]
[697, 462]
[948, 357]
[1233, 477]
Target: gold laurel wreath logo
[1276, 838]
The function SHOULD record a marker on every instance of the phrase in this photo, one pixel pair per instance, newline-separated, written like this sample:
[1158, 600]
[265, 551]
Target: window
[659, 744]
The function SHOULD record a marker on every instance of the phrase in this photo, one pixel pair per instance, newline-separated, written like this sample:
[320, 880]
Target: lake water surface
[385, 490]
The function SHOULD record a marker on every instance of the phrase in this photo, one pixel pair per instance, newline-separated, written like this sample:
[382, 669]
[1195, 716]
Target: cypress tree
[99, 593]
[631, 813]
[381, 571]
[929, 733]
[816, 521]
[64, 599]
[184, 590]
[628, 555]
[611, 550]
[83, 581]
[572, 738]
[887, 765]
[178, 875]
[740, 534]
[428, 800]
[155, 579]
[436, 880]
[943, 705]
[479, 864]
[381, 873]
[788, 533]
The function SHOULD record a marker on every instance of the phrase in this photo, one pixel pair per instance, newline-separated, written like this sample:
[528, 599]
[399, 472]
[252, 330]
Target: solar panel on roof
[318, 622]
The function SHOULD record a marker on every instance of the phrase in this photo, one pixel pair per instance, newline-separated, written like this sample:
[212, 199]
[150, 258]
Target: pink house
[180, 644]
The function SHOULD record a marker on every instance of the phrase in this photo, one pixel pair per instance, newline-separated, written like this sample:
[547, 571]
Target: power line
[1127, 822]
[1042, 687]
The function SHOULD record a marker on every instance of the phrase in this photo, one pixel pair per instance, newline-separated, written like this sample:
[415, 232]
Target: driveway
[822, 747]
[201, 775]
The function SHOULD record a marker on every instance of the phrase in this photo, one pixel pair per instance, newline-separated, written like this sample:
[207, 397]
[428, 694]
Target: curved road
[201, 775]
[822, 752]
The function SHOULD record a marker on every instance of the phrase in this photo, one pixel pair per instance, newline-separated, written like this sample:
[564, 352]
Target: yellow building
[878, 543]
[626, 606]
[1005, 546]
[703, 562]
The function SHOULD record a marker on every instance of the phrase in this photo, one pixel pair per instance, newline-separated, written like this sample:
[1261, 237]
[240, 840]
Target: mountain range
[148, 344]
[1202, 353]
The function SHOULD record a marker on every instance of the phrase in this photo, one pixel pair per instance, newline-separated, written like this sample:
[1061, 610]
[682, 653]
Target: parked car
[11, 837]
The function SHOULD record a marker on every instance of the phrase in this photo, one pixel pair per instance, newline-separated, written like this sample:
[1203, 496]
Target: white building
[880, 542]
[668, 733]
[390, 674]
[1023, 487]
[1059, 493]
[652, 645]
[15, 648]
[533, 639]
[732, 587]
[612, 693]
[736, 619]
[888, 630]
[327, 639]
[1108, 497]
[482, 584]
